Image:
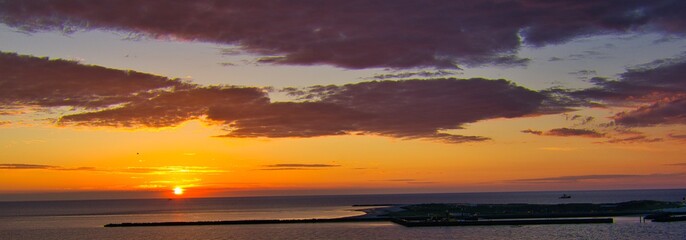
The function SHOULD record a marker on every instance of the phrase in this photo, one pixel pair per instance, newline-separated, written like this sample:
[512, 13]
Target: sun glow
[178, 191]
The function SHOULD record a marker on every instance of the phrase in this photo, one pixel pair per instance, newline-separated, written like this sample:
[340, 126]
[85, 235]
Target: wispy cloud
[408, 181]
[360, 34]
[419, 74]
[584, 178]
[297, 166]
[129, 170]
[567, 132]
[22, 166]
[169, 170]
[635, 139]
[677, 136]
[561, 149]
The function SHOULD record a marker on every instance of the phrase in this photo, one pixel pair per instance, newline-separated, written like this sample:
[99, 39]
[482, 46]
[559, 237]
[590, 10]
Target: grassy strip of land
[516, 211]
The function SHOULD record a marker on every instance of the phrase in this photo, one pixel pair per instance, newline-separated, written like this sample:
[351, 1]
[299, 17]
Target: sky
[132, 98]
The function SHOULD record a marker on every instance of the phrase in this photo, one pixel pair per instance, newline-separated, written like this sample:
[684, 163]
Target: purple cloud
[171, 108]
[567, 132]
[409, 109]
[28, 80]
[357, 33]
[662, 112]
[412, 109]
[645, 83]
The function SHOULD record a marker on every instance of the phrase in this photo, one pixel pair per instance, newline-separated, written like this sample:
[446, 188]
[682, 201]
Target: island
[462, 214]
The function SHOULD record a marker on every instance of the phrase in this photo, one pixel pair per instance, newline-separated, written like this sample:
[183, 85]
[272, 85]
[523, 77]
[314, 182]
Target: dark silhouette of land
[421, 215]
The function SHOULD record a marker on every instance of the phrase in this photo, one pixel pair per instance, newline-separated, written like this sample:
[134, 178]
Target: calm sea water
[84, 219]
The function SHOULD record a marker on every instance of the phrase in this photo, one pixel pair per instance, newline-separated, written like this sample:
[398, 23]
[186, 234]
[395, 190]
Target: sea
[84, 219]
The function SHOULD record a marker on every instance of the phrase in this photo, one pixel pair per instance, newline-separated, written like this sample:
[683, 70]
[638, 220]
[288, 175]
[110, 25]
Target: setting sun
[178, 191]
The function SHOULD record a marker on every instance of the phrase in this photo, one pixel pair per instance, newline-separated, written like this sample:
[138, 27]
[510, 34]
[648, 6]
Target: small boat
[565, 196]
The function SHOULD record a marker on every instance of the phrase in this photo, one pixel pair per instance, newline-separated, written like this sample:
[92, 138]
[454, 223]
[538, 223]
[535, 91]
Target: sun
[178, 191]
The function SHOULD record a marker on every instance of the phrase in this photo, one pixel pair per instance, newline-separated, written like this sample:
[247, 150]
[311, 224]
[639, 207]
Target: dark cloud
[656, 89]
[534, 132]
[27, 80]
[583, 178]
[672, 111]
[567, 132]
[360, 33]
[411, 109]
[645, 83]
[171, 108]
[582, 120]
[297, 166]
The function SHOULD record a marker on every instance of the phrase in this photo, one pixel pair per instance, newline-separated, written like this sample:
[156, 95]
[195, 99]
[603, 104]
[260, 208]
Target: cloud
[22, 166]
[656, 91]
[534, 132]
[25, 166]
[647, 83]
[408, 181]
[28, 80]
[129, 170]
[560, 149]
[419, 74]
[167, 170]
[677, 136]
[583, 74]
[408, 109]
[584, 178]
[564, 132]
[297, 166]
[670, 111]
[171, 108]
[635, 139]
[567, 132]
[357, 33]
